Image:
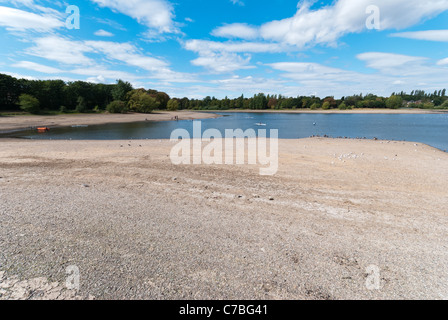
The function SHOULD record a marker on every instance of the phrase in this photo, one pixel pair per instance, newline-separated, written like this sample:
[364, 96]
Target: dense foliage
[29, 104]
[37, 96]
[78, 96]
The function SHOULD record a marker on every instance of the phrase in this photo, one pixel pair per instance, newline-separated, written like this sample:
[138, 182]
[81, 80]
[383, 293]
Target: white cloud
[393, 72]
[442, 62]
[428, 35]
[386, 61]
[19, 20]
[238, 2]
[236, 30]
[103, 33]
[326, 25]
[28, 77]
[308, 72]
[156, 14]
[249, 85]
[110, 23]
[223, 57]
[305, 68]
[32, 5]
[127, 53]
[230, 46]
[170, 76]
[222, 62]
[103, 73]
[18, 76]
[62, 50]
[36, 67]
[98, 79]
[74, 53]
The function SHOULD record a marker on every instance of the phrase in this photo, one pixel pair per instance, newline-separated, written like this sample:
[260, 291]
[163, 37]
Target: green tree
[445, 105]
[326, 105]
[29, 103]
[260, 101]
[10, 89]
[141, 101]
[173, 105]
[120, 90]
[162, 99]
[81, 105]
[116, 107]
[428, 105]
[342, 106]
[394, 102]
[314, 106]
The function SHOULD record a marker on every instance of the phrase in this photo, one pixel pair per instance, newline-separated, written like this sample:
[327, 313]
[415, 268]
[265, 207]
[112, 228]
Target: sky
[197, 48]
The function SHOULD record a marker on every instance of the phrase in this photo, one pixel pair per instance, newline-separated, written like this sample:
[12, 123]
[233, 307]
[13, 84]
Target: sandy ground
[353, 111]
[139, 227]
[24, 122]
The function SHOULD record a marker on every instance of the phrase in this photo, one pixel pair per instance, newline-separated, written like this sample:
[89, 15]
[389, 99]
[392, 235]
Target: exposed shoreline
[139, 227]
[17, 123]
[333, 111]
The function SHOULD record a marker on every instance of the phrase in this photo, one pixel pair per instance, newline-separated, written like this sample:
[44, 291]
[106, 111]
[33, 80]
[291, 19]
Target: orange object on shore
[43, 129]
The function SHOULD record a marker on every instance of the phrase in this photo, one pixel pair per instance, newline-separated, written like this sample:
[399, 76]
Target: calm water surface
[431, 129]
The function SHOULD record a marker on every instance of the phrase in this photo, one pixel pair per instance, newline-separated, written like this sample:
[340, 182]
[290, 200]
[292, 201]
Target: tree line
[40, 96]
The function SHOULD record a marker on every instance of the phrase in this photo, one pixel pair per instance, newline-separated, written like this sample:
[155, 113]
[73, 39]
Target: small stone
[271, 198]
[86, 186]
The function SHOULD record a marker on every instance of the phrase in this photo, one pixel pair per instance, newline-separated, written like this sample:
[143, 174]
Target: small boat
[260, 124]
[43, 129]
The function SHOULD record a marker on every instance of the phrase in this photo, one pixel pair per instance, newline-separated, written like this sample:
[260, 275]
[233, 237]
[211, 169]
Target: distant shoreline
[18, 123]
[336, 111]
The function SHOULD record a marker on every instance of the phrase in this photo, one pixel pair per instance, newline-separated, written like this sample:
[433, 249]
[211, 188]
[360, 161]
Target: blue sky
[196, 48]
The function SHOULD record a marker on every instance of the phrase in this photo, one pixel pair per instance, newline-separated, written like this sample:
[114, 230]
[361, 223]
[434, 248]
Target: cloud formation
[236, 30]
[326, 25]
[155, 14]
[103, 33]
[18, 20]
[428, 35]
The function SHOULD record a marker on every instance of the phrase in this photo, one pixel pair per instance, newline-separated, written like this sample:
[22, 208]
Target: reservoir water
[431, 129]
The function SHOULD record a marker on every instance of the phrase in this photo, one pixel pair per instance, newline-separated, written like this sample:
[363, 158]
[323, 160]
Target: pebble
[271, 198]
[86, 186]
